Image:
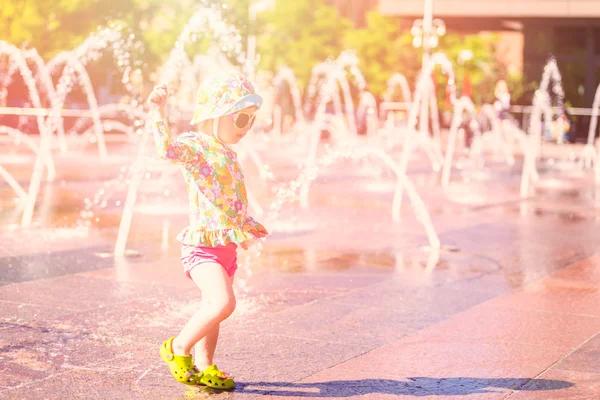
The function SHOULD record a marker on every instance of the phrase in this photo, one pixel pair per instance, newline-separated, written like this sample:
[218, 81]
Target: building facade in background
[536, 29]
[355, 10]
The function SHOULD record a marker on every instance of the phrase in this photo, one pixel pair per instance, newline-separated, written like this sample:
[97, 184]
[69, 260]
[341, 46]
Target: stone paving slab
[484, 352]
[341, 302]
[45, 265]
[584, 386]
[80, 293]
[489, 351]
[108, 320]
[584, 359]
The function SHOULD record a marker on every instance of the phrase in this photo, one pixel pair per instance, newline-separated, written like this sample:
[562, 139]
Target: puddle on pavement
[565, 216]
[398, 261]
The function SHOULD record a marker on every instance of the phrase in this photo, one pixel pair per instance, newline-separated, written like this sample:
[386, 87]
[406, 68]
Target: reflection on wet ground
[338, 302]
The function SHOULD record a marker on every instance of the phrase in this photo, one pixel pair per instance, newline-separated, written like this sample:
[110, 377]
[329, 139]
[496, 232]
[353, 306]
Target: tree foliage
[300, 34]
[297, 34]
[383, 49]
[51, 26]
[483, 69]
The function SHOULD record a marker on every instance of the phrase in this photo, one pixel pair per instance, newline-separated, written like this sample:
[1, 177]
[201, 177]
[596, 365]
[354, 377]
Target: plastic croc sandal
[182, 367]
[216, 379]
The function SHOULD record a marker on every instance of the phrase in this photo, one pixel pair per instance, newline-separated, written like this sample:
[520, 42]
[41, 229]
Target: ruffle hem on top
[201, 236]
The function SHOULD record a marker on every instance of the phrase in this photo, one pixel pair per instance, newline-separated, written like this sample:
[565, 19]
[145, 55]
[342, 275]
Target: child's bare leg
[218, 302]
[204, 350]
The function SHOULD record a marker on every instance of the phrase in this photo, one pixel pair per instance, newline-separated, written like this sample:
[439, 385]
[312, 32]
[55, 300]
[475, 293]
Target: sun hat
[222, 94]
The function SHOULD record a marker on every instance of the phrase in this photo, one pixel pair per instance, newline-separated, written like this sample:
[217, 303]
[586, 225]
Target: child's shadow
[413, 386]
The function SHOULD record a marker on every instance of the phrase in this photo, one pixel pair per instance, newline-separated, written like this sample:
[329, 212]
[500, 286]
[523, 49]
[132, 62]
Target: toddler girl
[225, 107]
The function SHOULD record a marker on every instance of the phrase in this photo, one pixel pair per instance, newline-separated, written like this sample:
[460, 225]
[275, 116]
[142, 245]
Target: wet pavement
[340, 301]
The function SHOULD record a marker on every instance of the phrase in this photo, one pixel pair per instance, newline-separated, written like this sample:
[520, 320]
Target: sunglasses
[242, 120]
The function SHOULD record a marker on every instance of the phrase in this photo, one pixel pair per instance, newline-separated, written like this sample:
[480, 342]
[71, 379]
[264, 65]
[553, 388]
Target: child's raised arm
[168, 148]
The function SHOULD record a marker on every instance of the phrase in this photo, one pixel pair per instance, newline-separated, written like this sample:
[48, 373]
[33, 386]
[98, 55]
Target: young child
[225, 107]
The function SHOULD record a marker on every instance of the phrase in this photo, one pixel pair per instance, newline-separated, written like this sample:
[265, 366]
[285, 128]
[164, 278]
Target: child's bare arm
[158, 99]
[168, 148]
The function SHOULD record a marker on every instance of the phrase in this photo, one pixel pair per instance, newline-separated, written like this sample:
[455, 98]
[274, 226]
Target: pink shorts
[192, 256]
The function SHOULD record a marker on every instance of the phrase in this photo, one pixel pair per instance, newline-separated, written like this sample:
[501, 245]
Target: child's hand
[158, 97]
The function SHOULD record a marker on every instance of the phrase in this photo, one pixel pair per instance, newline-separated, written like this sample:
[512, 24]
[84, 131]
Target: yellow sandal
[216, 379]
[181, 367]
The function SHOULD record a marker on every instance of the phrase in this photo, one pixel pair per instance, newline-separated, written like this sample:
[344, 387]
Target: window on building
[597, 40]
[570, 40]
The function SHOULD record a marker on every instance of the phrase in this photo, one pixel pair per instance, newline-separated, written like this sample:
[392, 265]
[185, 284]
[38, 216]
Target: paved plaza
[339, 302]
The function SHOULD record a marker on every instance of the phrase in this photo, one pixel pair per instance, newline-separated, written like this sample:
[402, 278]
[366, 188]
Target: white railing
[36, 112]
[399, 106]
[65, 112]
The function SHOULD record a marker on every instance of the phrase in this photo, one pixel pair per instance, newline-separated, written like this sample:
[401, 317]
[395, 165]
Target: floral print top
[215, 183]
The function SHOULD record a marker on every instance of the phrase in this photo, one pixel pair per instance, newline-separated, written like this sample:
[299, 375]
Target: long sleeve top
[215, 183]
